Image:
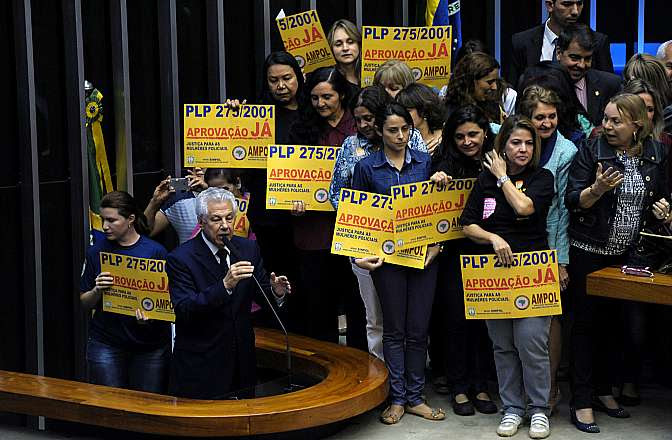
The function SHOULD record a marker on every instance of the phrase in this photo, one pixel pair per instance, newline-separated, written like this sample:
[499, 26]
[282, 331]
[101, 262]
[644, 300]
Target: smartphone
[180, 184]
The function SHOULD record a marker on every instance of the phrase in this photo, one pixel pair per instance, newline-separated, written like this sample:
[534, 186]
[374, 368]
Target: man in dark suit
[593, 88]
[538, 43]
[212, 292]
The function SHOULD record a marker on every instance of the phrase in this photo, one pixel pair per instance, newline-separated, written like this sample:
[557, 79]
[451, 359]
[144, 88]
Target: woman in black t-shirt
[507, 210]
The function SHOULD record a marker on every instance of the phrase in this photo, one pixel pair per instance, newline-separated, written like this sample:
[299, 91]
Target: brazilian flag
[100, 181]
[445, 13]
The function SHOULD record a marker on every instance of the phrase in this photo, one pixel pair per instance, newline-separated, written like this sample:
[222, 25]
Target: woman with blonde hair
[649, 68]
[345, 41]
[617, 184]
[393, 76]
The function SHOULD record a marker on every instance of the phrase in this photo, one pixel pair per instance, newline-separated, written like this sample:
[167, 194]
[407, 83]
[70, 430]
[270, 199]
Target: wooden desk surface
[612, 283]
[354, 382]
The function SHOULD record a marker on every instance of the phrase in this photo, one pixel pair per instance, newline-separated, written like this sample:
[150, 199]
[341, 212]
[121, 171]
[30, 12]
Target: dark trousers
[121, 368]
[463, 345]
[406, 297]
[594, 332]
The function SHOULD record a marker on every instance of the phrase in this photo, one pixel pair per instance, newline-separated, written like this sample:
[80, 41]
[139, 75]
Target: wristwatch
[501, 181]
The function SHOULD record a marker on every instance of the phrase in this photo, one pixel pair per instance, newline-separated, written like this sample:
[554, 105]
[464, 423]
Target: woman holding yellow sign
[366, 104]
[506, 212]
[460, 350]
[406, 294]
[324, 279]
[123, 351]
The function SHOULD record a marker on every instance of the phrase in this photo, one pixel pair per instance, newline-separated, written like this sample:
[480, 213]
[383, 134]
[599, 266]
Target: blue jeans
[136, 370]
[406, 296]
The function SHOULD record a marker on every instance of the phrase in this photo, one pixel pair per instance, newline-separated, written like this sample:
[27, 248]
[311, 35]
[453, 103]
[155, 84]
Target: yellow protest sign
[216, 136]
[529, 287]
[426, 50]
[139, 283]
[303, 37]
[241, 225]
[299, 173]
[364, 228]
[426, 213]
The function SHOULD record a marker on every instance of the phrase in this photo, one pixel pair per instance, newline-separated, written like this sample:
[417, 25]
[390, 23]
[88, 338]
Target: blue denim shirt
[356, 148]
[377, 174]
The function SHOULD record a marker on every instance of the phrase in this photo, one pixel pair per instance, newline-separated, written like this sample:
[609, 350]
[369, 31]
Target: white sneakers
[539, 425]
[509, 425]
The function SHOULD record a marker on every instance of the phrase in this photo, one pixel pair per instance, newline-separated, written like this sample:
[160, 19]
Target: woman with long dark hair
[325, 279]
[123, 351]
[282, 85]
[476, 81]
[427, 111]
[460, 350]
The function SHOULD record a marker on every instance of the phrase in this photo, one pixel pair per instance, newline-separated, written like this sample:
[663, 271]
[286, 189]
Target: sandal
[391, 417]
[433, 413]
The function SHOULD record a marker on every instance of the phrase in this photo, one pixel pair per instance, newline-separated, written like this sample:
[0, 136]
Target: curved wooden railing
[353, 382]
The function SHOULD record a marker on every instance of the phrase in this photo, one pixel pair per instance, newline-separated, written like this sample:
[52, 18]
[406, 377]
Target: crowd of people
[566, 156]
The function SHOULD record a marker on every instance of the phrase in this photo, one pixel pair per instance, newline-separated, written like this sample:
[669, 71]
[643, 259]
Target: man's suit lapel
[206, 258]
[593, 96]
[534, 50]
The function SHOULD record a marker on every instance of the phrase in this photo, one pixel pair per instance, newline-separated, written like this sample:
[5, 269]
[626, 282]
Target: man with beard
[539, 43]
[575, 51]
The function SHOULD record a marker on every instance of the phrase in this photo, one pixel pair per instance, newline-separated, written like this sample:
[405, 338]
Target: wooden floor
[354, 382]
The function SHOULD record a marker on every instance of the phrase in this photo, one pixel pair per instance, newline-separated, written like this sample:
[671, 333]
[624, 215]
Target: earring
[634, 136]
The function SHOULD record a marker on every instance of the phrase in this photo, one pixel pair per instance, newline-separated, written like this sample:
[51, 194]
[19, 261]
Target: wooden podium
[612, 283]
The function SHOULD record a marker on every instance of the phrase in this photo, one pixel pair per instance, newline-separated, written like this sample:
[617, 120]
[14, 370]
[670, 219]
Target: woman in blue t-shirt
[406, 294]
[123, 351]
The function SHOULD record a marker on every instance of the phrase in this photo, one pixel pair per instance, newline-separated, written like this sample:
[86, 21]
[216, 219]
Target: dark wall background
[243, 45]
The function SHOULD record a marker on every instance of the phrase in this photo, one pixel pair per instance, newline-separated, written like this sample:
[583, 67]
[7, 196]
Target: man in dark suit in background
[575, 51]
[212, 292]
[538, 43]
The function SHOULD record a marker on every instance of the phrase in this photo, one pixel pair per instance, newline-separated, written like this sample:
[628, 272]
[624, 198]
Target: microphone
[235, 253]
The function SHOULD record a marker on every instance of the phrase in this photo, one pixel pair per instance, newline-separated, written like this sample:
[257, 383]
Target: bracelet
[590, 190]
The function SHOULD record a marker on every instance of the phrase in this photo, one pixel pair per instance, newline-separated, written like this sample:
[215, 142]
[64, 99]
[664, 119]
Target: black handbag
[653, 249]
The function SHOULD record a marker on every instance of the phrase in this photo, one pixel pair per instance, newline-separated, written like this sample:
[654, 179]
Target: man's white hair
[660, 54]
[214, 195]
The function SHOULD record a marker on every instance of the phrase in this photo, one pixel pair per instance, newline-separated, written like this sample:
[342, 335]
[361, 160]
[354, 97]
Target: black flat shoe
[590, 428]
[617, 413]
[484, 406]
[463, 409]
[628, 400]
